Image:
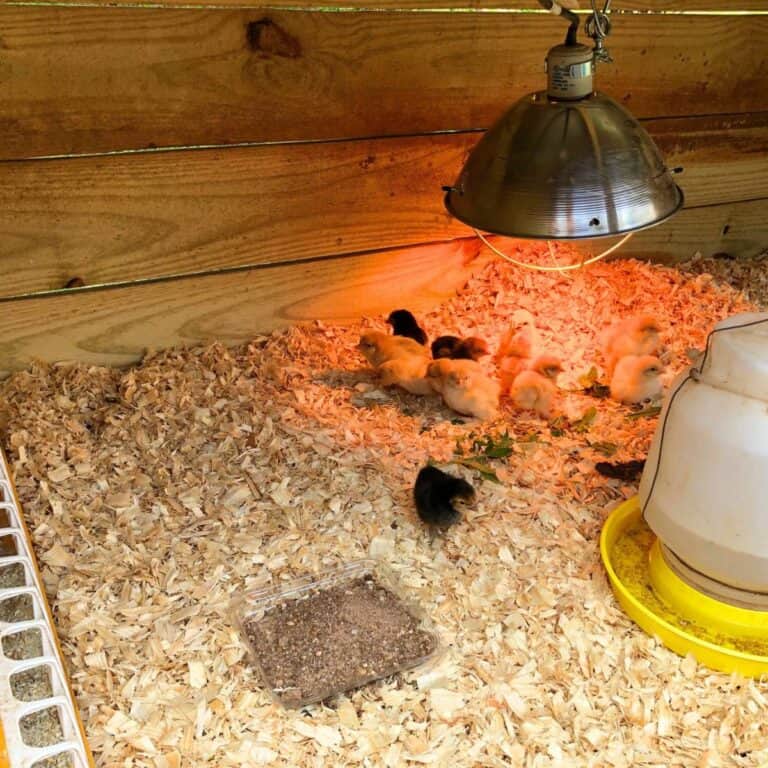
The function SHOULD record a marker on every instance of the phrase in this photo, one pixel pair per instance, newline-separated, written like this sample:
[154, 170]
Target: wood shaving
[157, 494]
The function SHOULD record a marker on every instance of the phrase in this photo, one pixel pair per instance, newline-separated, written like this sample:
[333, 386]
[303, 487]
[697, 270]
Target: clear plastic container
[257, 604]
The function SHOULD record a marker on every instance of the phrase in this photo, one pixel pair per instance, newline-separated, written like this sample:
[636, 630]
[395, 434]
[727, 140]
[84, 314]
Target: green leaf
[486, 471]
[591, 386]
[606, 449]
[558, 426]
[646, 413]
[499, 448]
[585, 422]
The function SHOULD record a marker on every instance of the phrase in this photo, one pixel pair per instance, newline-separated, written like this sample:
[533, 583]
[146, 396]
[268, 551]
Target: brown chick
[535, 388]
[637, 379]
[465, 387]
[408, 372]
[634, 336]
[378, 348]
[516, 348]
[471, 348]
[510, 368]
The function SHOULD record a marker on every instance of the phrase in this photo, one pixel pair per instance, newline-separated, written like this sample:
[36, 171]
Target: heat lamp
[567, 163]
[688, 557]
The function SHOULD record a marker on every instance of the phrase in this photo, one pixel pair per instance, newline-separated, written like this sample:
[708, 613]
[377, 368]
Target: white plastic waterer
[704, 488]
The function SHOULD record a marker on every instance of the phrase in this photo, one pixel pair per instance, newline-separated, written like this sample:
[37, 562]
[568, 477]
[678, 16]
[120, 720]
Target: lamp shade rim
[599, 236]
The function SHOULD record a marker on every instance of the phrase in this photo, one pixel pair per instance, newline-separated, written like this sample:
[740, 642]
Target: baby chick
[634, 336]
[465, 387]
[377, 347]
[471, 348]
[520, 339]
[510, 368]
[434, 494]
[408, 372]
[535, 388]
[404, 324]
[626, 471]
[637, 379]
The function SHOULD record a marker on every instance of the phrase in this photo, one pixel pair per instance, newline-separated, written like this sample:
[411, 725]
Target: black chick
[626, 471]
[404, 324]
[472, 348]
[434, 493]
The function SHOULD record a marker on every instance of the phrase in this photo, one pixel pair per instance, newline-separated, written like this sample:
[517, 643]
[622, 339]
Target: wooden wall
[213, 170]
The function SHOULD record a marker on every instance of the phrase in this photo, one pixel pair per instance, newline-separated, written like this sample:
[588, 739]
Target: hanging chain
[598, 27]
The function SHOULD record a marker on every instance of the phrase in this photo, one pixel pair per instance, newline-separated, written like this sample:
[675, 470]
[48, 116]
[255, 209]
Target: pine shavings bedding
[157, 494]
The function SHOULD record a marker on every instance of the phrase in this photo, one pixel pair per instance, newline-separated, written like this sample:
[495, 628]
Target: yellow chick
[408, 372]
[377, 347]
[634, 336]
[520, 339]
[465, 387]
[534, 389]
[510, 368]
[637, 379]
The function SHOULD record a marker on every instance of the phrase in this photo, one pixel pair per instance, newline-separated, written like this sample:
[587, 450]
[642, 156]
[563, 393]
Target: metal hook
[598, 27]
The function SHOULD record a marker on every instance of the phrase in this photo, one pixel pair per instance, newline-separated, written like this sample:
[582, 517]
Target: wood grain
[115, 326]
[122, 218]
[617, 7]
[724, 158]
[81, 79]
[737, 229]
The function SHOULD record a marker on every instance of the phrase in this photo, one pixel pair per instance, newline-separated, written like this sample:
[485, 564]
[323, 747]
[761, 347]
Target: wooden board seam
[375, 9]
[286, 143]
[339, 140]
[226, 270]
[271, 265]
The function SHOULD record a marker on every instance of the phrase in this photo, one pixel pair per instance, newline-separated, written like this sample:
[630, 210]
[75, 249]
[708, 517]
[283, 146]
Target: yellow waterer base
[718, 635]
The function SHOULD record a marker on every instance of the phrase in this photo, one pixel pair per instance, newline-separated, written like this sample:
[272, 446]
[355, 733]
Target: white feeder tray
[17, 753]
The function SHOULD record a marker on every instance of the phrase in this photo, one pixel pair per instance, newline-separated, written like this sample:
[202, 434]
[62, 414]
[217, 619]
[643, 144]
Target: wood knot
[266, 37]
[75, 282]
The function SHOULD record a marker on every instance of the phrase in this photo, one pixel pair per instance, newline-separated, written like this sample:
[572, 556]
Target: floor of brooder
[155, 495]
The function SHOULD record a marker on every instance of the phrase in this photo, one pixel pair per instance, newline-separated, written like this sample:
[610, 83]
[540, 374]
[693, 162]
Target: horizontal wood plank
[510, 6]
[724, 158]
[737, 229]
[116, 326]
[123, 218]
[82, 79]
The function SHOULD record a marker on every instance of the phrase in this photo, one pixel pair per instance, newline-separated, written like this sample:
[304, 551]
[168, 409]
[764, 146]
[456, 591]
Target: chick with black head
[404, 324]
[472, 348]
